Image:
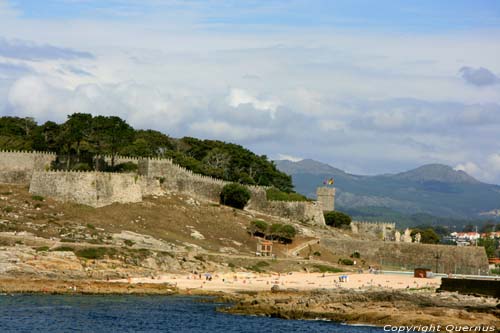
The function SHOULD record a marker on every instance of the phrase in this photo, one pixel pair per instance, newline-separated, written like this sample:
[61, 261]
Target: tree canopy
[83, 136]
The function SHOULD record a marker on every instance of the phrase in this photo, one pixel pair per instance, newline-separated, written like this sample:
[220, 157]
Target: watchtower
[326, 195]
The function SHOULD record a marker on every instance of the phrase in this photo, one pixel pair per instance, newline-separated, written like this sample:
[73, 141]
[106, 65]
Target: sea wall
[447, 258]
[472, 286]
[16, 167]
[94, 189]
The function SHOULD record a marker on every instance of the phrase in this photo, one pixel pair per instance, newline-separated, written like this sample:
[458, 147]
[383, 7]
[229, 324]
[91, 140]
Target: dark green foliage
[37, 197]
[356, 255]
[258, 228]
[235, 195]
[317, 254]
[64, 248]
[428, 236]
[282, 232]
[277, 195]
[42, 249]
[490, 246]
[337, 219]
[347, 262]
[95, 252]
[82, 137]
[8, 209]
[128, 242]
[327, 269]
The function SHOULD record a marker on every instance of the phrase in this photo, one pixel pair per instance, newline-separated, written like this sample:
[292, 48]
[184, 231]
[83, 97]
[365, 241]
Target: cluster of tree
[276, 231]
[82, 137]
[337, 219]
[428, 235]
[235, 195]
[490, 246]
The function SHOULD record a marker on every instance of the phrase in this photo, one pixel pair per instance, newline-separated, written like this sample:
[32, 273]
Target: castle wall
[16, 167]
[99, 189]
[380, 230]
[180, 180]
[453, 259]
[94, 189]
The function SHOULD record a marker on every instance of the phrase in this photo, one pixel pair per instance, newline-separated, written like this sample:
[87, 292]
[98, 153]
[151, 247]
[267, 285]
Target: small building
[422, 272]
[265, 248]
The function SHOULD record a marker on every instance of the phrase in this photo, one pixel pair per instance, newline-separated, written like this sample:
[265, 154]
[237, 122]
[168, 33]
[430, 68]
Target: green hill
[430, 190]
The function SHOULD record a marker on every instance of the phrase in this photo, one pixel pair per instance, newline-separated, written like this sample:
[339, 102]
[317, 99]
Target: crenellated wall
[96, 189]
[380, 230]
[156, 175]
[16, 167]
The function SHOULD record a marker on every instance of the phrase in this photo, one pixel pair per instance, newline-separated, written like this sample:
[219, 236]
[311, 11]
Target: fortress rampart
[16, 167]
[380, 230]
[389, 255]
[96, 189]
[155, 176]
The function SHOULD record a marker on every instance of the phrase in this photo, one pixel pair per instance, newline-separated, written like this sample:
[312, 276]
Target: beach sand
[246, 281]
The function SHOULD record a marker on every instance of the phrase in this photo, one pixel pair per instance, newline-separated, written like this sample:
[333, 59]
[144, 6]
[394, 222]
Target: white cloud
[289, 158]
[238, 97]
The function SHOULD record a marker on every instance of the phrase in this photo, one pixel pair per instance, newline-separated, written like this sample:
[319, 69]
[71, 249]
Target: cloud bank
[360, 99]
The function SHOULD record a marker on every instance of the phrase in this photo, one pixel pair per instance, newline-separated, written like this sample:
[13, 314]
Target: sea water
[126, 313]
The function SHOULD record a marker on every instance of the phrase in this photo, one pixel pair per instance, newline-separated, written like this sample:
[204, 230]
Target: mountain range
[433, 189]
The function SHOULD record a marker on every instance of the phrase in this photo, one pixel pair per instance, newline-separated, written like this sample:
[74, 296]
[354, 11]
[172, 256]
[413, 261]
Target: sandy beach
[231, 282]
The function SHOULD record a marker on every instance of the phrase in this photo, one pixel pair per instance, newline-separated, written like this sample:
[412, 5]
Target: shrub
[356, 255]
[128, 242]
[90, 226]
[95, 252]
[64, 248]
[327, 269]
[7, 209]
[37, 197]
[283, 232]
[235, 195]
[42, 249]
[346, 262]
[317, 254]
[258, 227]
[337, 219]
[274, 194]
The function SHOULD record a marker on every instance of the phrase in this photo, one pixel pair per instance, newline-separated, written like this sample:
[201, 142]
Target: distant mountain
[436, 172]
[432, 189]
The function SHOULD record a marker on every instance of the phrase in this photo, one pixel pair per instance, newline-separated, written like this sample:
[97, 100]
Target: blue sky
[367, 86]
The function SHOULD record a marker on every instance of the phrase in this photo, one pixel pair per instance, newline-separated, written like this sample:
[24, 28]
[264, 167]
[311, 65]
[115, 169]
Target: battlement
[17, 166]
[34, 152]
[155, 176]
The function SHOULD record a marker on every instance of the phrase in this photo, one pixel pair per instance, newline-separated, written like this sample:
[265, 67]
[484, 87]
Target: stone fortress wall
[155, 175]
[379, 230]
[392, 255]
[96, 189]
[16, 167]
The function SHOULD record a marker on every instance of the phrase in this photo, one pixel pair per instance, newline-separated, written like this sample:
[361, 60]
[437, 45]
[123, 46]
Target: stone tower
[326, 195]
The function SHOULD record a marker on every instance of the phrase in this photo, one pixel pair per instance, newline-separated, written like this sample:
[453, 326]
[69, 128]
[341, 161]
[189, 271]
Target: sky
[366, 86]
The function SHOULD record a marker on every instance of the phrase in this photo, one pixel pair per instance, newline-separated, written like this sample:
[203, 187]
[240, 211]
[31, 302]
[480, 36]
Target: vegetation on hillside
[235, 195]
[275, 194]
[337, 219]
[284, 233]
[84, 136]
